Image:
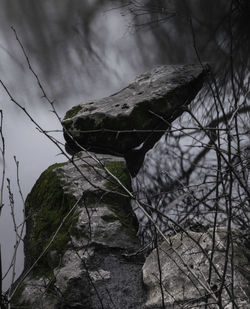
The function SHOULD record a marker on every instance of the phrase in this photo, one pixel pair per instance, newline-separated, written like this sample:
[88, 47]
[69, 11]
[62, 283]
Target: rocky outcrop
[131, 121]
[181, 271]
[80, 220]
[81, 245]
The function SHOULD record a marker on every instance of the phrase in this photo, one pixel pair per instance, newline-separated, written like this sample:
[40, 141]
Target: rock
[88, 263]
[81, 245]
[131, 121]
[185, 271]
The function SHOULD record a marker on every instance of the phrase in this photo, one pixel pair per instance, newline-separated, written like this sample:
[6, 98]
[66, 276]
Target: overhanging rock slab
[136, 115]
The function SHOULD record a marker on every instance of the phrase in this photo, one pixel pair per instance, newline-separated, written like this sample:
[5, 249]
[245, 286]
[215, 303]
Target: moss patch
[72, 112]
[118, 169]
[46, 206]
[119, 205]
[15, 301]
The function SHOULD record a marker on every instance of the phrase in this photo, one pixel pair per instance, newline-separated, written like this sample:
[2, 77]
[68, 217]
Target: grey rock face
[81, 245]
[136, 116]
[185, 268]
[88, 264]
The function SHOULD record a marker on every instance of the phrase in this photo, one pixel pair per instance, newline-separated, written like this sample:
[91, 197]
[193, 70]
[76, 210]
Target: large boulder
[81, 245]
[129, 122]
[80, 240]
[182, 273]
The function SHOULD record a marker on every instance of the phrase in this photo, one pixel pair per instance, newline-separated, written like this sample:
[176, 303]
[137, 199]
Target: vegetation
[46, 206]
[203, 178]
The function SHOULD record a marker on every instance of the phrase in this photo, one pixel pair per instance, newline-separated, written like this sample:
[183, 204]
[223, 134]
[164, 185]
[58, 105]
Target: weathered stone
[88, 259]
[185, 266]
[131, 121]
[81, 245]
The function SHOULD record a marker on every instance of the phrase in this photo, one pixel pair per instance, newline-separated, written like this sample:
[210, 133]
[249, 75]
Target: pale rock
[185, 266]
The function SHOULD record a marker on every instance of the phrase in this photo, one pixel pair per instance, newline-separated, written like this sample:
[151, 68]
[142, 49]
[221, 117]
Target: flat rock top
[150, 85]
[160, 92]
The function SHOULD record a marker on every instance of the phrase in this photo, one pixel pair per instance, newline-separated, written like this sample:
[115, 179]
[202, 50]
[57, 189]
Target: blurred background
[84, 50]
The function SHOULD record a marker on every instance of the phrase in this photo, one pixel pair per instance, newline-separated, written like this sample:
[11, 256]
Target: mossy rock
[126, 119]
[119, 170]
[116, 198]
[53, 196]
[121, 206]
[45, 207]
[72, 112]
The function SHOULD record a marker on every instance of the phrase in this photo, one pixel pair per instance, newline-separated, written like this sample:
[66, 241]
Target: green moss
[118, 169]
[15, 301]
[46, 206]
[121, 206]
[126, 217]
[72, 112]
[85, 124]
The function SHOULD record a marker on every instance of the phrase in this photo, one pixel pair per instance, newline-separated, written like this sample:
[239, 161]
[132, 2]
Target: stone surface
[185, 272]
[88, 265]
[81, 245]
[131, 121]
